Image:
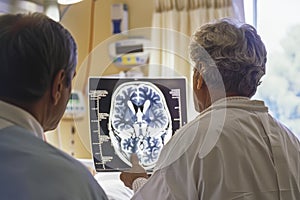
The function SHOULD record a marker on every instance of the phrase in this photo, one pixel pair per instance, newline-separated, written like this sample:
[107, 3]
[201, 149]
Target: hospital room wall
[73, 135]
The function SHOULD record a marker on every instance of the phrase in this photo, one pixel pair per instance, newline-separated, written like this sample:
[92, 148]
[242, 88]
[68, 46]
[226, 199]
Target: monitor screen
[133, 115]
[129, 49]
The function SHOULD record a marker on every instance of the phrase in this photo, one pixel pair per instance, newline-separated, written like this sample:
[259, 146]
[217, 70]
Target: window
[279, 26]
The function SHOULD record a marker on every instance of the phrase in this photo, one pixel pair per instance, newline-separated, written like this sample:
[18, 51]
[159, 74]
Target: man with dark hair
[38, 58]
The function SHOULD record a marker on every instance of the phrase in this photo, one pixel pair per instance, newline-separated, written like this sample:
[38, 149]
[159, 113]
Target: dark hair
[33, 48]
[235, 49]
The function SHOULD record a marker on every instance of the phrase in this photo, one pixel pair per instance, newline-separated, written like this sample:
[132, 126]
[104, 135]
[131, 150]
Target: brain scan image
[139, 122]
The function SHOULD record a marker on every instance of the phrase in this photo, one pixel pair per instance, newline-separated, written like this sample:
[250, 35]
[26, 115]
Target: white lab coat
[234, 150]
[32, 169]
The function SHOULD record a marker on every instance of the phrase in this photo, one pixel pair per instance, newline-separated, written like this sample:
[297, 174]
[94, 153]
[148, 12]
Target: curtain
[173, 23]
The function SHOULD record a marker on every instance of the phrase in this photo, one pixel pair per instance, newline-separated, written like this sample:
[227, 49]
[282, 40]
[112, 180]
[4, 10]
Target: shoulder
[189, 136]
[29, 162]
[198, 137]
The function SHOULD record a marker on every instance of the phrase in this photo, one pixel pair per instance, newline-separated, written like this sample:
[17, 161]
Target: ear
[58, 86]
[200, 82]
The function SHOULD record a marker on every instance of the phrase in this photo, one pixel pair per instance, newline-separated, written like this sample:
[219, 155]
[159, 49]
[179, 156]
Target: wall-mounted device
[130, 52]
[76, 106]
[119, 17]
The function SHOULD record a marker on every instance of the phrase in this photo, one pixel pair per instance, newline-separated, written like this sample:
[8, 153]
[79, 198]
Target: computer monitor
[133, 115]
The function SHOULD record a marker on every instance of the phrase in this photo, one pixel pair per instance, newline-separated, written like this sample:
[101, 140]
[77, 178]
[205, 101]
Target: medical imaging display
[130, 115]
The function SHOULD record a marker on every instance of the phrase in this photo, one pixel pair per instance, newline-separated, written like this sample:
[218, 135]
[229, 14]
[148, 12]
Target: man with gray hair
[234, 149]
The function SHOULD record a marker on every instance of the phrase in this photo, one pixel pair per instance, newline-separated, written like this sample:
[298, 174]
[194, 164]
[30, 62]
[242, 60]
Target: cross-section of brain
[139, 122]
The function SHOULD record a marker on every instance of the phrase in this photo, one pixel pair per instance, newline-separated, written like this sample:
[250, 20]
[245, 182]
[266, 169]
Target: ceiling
[16, 6]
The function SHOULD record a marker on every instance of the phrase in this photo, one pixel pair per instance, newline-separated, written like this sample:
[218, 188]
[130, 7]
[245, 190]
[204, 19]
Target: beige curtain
[173, 23]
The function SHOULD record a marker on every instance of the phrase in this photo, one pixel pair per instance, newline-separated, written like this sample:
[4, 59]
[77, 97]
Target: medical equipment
[119, 17]
[76, 106]
[130, 52]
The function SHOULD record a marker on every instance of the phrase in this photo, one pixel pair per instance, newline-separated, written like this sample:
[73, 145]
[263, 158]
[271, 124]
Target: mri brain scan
[139, 122]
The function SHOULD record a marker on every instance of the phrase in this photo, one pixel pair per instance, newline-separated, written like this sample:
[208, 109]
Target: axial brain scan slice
[140, 122]
[133, 115]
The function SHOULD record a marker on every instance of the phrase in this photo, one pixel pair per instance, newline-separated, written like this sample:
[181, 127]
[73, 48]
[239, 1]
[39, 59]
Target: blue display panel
[130, 115]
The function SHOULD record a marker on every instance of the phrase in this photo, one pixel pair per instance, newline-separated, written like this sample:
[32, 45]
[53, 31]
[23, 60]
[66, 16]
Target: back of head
[235, 50]
[33, 48]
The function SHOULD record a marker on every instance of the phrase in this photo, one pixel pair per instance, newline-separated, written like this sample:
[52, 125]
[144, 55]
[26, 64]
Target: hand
[129, 177]
[133, 173]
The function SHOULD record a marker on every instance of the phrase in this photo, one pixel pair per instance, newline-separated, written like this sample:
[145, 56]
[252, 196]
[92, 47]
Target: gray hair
[236, 51]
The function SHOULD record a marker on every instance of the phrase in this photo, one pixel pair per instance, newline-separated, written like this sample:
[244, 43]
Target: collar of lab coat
[12, 115]
[237, 102]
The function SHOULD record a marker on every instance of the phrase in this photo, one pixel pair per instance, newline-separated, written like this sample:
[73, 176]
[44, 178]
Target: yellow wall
[77, 20]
